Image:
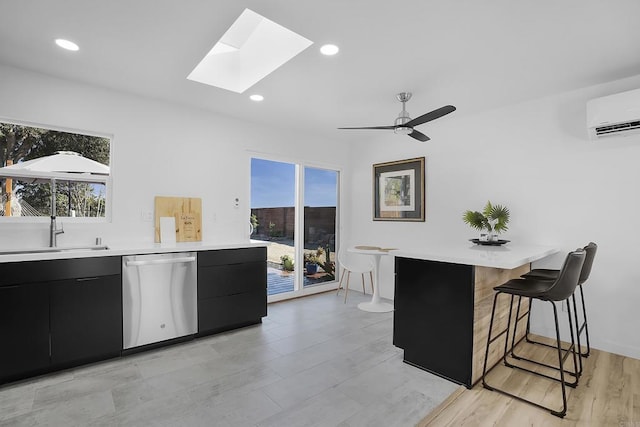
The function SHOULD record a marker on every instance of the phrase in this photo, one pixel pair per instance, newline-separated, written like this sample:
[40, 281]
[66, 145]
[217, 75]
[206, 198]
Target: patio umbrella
[61, 166]
[62, 162]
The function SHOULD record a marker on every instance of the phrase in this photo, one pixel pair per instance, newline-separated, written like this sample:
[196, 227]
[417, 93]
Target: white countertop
[507, 256]
[127, 249]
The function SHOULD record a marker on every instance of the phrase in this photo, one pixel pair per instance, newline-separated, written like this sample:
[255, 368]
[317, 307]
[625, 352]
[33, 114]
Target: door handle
[161, 261]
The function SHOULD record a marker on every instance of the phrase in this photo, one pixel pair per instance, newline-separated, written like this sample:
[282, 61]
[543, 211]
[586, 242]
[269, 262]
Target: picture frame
[398, 190]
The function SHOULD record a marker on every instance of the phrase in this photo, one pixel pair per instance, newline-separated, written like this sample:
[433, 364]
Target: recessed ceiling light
[256, 97]
[329, 49]
[66, 44]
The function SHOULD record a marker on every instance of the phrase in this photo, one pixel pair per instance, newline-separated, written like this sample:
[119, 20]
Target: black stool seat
[525, 287]
[542, 273]
[553, 291]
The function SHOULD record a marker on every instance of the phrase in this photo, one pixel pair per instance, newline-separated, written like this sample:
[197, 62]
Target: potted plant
[311, 261]
[287, 263]
[493, 219]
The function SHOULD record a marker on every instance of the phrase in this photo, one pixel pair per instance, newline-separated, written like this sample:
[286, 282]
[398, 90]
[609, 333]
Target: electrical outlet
[236, 202]
[146, 216]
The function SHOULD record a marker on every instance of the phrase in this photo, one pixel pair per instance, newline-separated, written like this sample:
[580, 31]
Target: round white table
[375, 305]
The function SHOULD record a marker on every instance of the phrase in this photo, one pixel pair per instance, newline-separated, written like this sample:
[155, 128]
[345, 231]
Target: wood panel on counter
[187, 212]
[486, 279]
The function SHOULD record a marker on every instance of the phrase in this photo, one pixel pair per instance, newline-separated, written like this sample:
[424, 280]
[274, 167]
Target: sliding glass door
[319, 219]
[295, 209]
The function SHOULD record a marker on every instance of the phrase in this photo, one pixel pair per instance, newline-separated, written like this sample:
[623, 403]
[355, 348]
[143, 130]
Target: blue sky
[273, 185]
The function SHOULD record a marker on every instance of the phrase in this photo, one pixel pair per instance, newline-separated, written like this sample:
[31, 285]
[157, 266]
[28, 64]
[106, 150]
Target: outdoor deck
[279, 282]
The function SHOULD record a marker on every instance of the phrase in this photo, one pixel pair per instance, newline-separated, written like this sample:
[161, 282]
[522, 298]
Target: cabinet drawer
[221, 280]
[58, 269]
[215, 314]
[232, 256]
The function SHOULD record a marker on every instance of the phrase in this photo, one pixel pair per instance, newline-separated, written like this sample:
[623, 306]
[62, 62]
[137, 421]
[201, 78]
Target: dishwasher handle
[161, 261]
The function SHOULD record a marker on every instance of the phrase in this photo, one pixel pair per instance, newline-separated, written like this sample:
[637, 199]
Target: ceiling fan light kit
[404, 125]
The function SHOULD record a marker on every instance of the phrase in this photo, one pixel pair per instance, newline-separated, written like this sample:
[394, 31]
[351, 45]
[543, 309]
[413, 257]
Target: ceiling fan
[405, 125]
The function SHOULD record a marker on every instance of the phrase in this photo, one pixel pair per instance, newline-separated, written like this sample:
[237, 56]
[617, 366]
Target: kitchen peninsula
[443, 299]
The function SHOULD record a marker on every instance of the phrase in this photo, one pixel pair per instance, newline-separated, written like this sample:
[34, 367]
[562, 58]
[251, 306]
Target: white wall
[561, 188]
[158, 149]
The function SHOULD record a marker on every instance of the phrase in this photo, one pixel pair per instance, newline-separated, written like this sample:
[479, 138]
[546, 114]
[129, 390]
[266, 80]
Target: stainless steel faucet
[53, 232]
[53, 227]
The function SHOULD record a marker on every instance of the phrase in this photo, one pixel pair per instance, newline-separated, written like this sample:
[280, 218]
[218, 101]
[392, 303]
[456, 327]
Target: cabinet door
[223, 280]
[86, 319]
[218, 314]
[24, 328]
[433, 316]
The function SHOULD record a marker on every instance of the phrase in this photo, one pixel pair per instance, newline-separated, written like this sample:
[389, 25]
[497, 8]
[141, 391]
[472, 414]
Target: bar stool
[547, 274]
[559, 289]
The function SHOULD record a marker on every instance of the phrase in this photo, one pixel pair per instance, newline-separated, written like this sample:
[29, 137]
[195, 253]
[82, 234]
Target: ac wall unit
[614, 115]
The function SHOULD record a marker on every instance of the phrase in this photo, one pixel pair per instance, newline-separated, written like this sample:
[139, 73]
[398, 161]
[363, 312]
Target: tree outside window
[20, 143]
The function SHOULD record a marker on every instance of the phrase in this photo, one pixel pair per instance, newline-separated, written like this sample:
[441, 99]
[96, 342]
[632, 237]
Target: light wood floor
[608, 394]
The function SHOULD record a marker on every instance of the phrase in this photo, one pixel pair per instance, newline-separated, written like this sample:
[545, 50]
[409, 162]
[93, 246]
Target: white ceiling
[469, 53]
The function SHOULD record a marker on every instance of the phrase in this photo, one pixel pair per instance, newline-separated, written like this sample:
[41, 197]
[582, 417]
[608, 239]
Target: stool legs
[584, 327]
[371, 277]
[340, 283]
[346, 286]
[491, 338]
[578, 332]
[577, 362]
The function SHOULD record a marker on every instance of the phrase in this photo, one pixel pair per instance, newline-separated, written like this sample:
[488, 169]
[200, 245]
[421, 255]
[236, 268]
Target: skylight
[251, 49]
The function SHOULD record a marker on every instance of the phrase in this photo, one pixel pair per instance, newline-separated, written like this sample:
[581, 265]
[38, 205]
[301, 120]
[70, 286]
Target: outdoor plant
[312, 257]
[254, 222]
[494, 218]
[327, 265]
[287, 263]
[311, 260]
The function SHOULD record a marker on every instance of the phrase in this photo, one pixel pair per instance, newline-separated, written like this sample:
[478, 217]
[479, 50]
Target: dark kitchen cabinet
[86, 319]
[58, 313]
[433, 316]
[24, 329]
[232, 288]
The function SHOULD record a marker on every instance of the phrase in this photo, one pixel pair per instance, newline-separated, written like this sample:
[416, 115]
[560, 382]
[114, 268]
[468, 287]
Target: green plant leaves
[475, 219]
[493, 218]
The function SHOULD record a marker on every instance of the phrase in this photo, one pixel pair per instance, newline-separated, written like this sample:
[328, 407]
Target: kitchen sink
[56, 249]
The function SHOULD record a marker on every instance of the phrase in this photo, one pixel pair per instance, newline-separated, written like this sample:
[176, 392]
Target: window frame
[107, 218]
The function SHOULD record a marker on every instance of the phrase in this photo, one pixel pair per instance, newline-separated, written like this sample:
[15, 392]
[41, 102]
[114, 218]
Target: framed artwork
[398, 190]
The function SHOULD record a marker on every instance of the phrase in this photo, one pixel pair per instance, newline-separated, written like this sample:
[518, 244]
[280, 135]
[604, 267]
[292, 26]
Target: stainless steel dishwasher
[159, 297]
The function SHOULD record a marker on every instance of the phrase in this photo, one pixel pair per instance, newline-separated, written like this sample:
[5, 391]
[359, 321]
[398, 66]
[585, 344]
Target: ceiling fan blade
[372, 127]
[419, 136]
[435, 114]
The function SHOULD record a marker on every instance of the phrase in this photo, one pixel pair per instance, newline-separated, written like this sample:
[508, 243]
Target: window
[39, 165]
